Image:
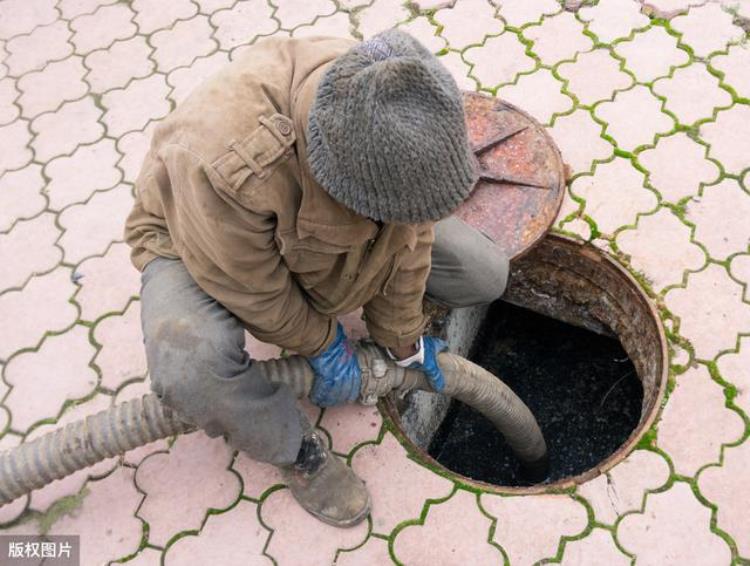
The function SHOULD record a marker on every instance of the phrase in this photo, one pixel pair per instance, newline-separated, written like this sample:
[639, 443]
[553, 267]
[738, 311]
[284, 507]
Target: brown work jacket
[226, 187]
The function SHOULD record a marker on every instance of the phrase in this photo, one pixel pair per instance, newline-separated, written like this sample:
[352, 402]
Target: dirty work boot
[325, 486]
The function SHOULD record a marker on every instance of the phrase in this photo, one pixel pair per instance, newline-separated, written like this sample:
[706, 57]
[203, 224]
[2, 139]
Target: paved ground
[650, 105]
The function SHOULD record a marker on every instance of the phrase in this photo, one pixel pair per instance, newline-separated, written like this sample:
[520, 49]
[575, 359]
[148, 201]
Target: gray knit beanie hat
[386, 132]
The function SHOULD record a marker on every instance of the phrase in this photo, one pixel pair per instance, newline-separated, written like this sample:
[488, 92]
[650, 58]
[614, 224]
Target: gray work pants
[198, 365]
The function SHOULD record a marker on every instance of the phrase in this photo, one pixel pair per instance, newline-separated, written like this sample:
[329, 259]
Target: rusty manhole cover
[522, 183]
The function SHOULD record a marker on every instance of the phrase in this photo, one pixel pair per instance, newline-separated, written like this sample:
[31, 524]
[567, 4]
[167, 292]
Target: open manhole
[579, 342]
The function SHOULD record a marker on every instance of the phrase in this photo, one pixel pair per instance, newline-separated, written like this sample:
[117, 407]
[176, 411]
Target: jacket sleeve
[232, 254]
[395, 317]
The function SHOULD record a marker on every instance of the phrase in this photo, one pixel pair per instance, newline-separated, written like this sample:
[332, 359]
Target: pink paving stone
[398, 485]
[531, 528]
[726, 487]
[298, 538]
[499, 60]
[91, 227]
[579, 138]
[122, 356]
[8, 94]
[185, 79]
[14, 141]
[134, 146]
[293, 14]
[257, 477]
[673, 530]
[613, 19]
[20, 195]
[730, 144]
[74, 178]
[468, 23]
[182, 485]
[614, 194]
[374, 551]
[539, 94]
[183, 43]
[424, 31]
[242, 23]
[11, 511]
[692, 93]
[622, 489]
[558, 38]
[146, 557]
[521, 12]
[45, 90]
[211, 6]
[233, 538]
[106, 522]
[107, 283]
[31, 52]
[596, 549]
[100, 29]
[455, 532]
[337, 25]
[41, 306]
[41, 499]
[152, 15]
[655, 233]
[735, 368]
[422, 5]
[696, 422]
[720, 215]
[380, 15]
[22, 16]
[710, 326]
[137, 389]
[132, 107]
[350, 425]
[619, 113]
[678, 166]
[670, 8]
[28, 249]
[707, 29]
[260, 350]
[735, 64]
[73, 8]
[593, 76]
[60, 132]
[651, 53]
[459, 69]
[116, 66]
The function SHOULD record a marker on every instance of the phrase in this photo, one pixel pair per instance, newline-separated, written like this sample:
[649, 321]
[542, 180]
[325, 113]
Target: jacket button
[283, 127]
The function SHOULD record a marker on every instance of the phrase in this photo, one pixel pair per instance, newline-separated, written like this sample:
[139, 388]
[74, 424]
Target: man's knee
[485, 278]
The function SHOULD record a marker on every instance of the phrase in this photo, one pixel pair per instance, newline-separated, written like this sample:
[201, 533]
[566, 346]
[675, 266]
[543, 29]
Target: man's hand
[423, 357]
[337, 373]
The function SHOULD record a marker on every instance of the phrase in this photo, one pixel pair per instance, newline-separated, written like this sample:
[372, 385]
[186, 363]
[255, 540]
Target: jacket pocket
[310, 259]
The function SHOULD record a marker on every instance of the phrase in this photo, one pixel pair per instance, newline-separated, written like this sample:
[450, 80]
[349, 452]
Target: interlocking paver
[678, 166]
[733, 367]
[116, 66]
[338, 25]
[92, 226]
[14, 150]
[468, 23]
[520, 12]
[735, 64]
[221, 542]
[183, 43]
[558, 38]
[614, 194]
[530, 528]
[613, 19]
[662, 230]
[47, 89]
[38, 393]
[133, 147]
[622, 489]
[185, 79]
[707, 29]
[674, 529]
[31, 52]
[122, 356]
[152, 15]
[692, 93]
[539, 94]
[8, 94]
[20, 195]
[74, 178]
[61, 132]
[380, 15]
[651, 53]
[183, 484]
[211, 6]
[593, 76]
[668, 9]
[29, 248]
[720, 215]
[424, 31]
[499, 60]
[22, 16]
[102, 28]
[351, 425]
[459, 69]
[293, 14]
[730, 142]
[597, 548]
[73, 8]
[619, 114]
[374, 551]
[257, 477]
[579, 138]
[41, 306]
[132, 107]
[426, 544]
[243, 23]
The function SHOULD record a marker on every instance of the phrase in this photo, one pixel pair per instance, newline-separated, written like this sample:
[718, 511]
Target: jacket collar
[320, 215]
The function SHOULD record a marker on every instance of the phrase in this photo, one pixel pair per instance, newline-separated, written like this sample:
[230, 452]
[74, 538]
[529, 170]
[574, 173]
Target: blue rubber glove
[426, 360]
[337, 373]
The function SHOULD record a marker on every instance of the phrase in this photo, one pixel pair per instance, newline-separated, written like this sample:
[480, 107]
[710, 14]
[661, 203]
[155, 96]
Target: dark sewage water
[582, 388]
